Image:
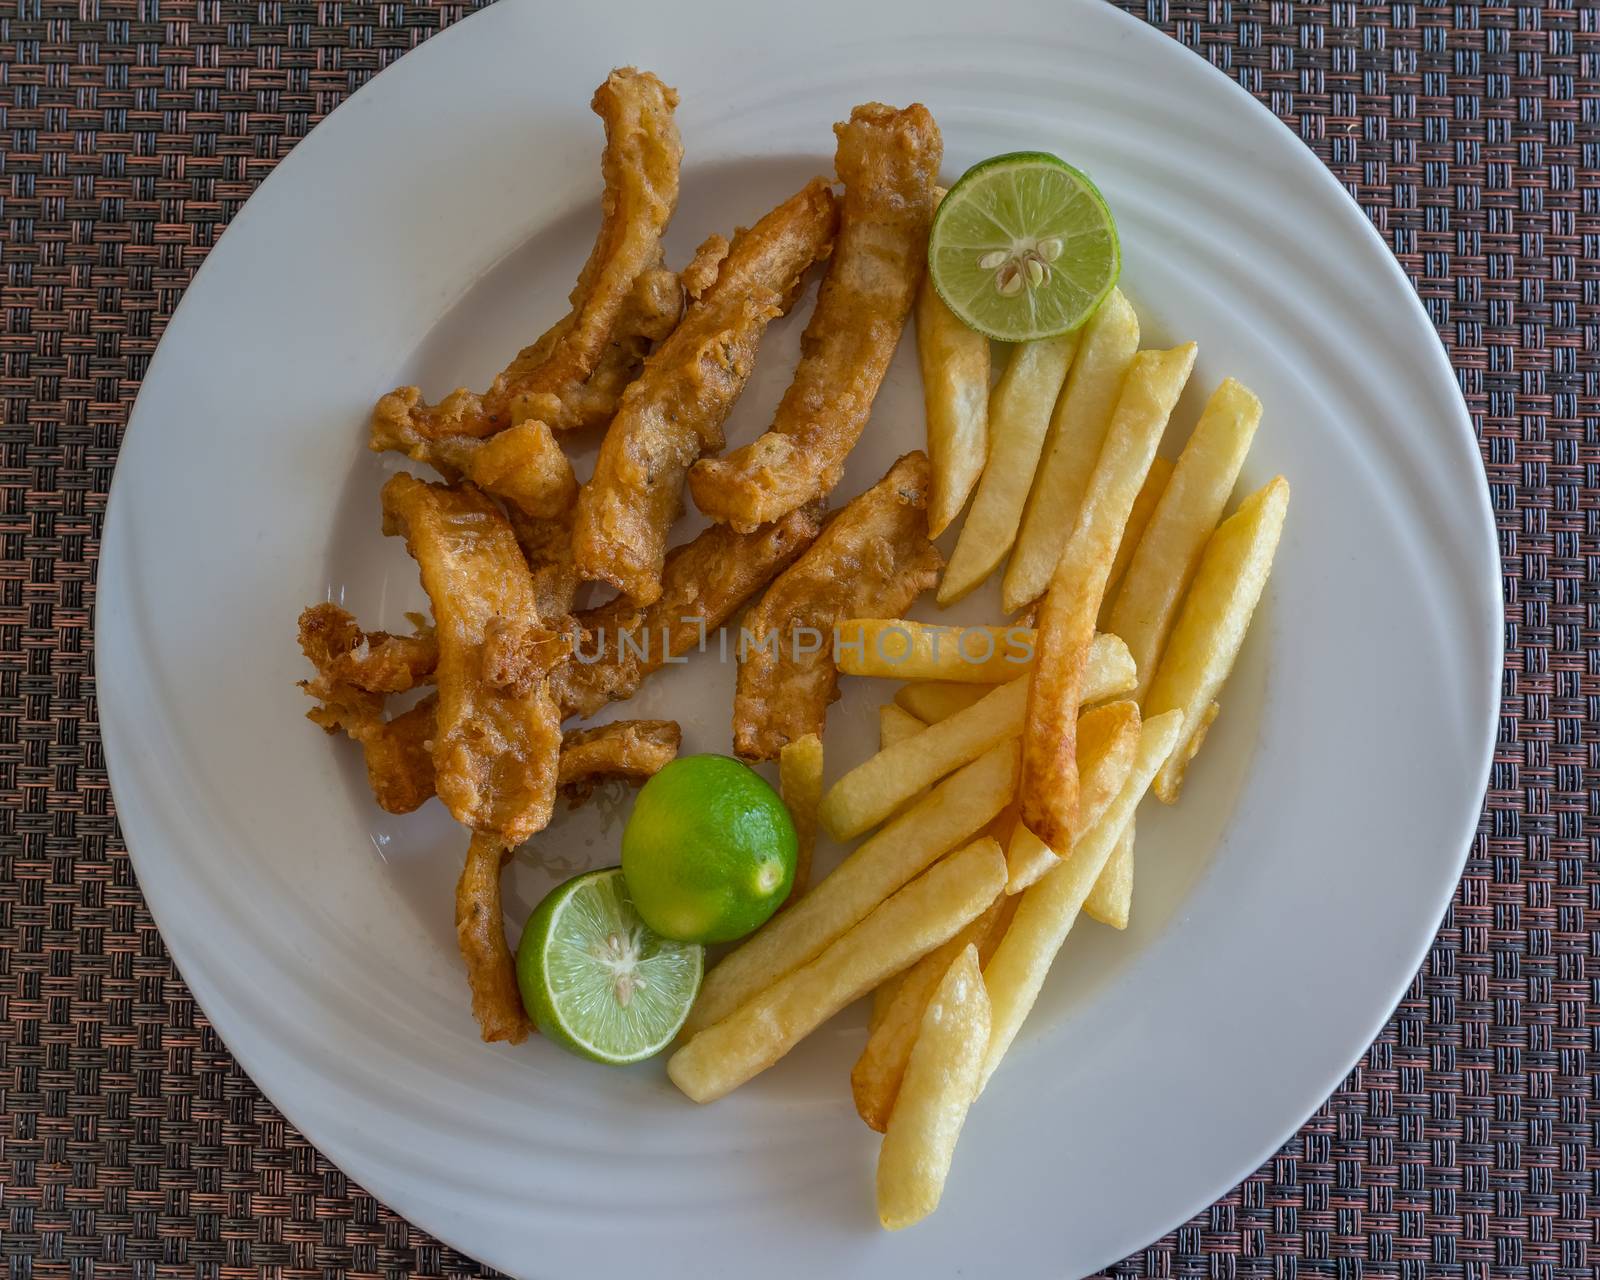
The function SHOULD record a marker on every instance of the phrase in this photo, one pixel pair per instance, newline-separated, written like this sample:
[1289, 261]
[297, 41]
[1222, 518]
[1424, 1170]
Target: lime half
[1023, 247]
[596, 979]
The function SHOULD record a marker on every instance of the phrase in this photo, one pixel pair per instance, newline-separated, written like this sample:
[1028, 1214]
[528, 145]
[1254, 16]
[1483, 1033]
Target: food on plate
[1049, 908]
[800, 785]
[875, 1079]
[1013, 758]
[1155, 484]
[941, 1080]
[1023, 247]
[956, 810]
[1232, 574]
[709, 850]
[873, 556]
[898, 932]
[497, 738]
[640, 167]
[673, 414]
[895, 725]
[703, 582]
[1019, 413]
[880, 784]
[900, 649]
[1111, 900]
[1049, 792]
[596, 979]
[624, 750]
[350, 660]
[1108, 737]
[481, 937]
[955, 390]
[1071, 448]
[1168, 554]
[888, 160]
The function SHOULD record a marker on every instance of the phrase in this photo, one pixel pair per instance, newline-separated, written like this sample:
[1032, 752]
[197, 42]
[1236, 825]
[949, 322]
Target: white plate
[421, 234]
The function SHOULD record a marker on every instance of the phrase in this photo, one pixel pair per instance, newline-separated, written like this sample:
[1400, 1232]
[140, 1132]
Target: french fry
[874, 789]
[1111, 900]
[876, 1077]
[1049, 796]
[1048, 910]
[903, 650]
[955, 389]
[954, 811]
[1077, 431]
[1227, 586]
[941, 1080]
[800, 785]
[897, 932]
[1169, 553]
[935, 700]
[1107, 739]
[1019, 415]
[882, 996]
[896, 724]
[1110, 674]
[1155, 484]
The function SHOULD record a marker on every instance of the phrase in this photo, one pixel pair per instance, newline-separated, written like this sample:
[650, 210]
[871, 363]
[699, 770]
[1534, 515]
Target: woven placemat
[1464, 1144]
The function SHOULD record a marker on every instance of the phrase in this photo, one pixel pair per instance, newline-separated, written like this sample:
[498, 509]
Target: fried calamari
[481, 935]
[622, 751]
[888, 160]
[674, 413]
[871, 561]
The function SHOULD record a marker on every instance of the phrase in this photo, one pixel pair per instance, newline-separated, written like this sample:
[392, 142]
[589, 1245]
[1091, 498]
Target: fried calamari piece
[888, 160]
[703, 582]
[624, 750]
[674, 413]
[871, 560]
[640, 167]
[481, 935]
[498, 736]
[373, 661]
[399, 765]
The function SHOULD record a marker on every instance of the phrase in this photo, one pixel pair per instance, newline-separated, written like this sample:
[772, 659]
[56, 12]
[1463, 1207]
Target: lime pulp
[1023, 247]
[596, 979]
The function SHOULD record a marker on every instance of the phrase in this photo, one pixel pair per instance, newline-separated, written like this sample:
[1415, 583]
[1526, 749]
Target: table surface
[1464, 1143]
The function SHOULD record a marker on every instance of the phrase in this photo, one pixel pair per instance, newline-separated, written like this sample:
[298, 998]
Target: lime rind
[598, 980]
[1012, 202]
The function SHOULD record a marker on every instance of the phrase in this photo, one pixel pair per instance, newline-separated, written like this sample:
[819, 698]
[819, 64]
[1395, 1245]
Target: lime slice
[1023, 247]
[596, 979]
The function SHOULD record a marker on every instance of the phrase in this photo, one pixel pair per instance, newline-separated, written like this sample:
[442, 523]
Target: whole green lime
[709, 850]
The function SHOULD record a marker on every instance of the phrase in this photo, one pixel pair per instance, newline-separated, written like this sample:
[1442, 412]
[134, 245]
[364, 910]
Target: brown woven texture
[1464, 1144]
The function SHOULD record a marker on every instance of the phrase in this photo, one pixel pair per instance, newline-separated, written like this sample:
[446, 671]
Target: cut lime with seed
[1023, 247]
[596, 979]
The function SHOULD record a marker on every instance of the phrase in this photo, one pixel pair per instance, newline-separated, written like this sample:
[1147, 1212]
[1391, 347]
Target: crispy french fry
[1111, 900]
[800, 785]
[896, 724]
[876, 1077]
[1167, 556]
[1108, 736]
[903, 929]
[941, 1080]
[882, 995]
[955, 389]
[1019, 415]
[1049, 797]
[875, 788]
[1109, 675]
[1155, 484]
[1233, 571]
[903, 650]
[954, 811]
[1077, 431]
[1048, 910]
[935, 700]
